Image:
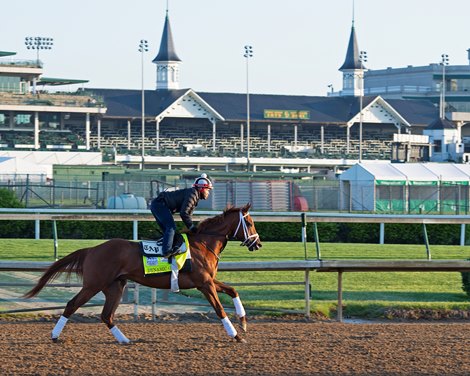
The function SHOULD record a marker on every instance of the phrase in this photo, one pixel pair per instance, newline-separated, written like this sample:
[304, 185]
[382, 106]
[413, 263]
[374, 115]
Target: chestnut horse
[108, 266]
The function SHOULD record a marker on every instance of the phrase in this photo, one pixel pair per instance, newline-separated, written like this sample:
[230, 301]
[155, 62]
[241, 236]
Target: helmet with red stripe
[203, 182]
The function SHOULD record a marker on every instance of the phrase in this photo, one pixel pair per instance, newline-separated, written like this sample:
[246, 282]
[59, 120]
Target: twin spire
[352, 55]
[167, 60]
[352, 68]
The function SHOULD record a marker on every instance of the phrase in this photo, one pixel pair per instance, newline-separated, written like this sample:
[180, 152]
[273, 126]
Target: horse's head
[246, 231]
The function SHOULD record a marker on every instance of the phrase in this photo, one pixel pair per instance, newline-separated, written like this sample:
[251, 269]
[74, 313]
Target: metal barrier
[338, 266]
[137, 215]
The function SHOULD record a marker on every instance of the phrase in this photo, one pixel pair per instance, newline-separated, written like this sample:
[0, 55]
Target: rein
[213, 252]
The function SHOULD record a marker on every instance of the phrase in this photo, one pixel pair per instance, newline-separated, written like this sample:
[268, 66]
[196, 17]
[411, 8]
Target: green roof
[59, 81]
[6, 53]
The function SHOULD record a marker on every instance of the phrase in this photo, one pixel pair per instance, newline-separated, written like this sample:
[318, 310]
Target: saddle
[153, 248]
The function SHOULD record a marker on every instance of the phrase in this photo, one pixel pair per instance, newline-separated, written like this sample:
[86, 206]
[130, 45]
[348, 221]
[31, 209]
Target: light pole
[38, 43]
[362, 60]
[442, 107]
[143, 47]
[248, 54]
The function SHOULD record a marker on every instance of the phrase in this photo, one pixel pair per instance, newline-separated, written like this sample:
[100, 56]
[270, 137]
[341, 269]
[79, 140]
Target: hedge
[289, 232]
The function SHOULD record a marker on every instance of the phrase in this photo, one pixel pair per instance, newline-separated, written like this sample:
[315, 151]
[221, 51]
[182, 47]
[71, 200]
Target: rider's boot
[171, 252]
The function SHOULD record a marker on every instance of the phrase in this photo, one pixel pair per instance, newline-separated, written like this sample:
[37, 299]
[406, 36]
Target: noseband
[250, 240]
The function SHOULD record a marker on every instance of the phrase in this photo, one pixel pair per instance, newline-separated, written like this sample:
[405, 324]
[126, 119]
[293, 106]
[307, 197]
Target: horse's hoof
[242, 323]
[239, 339]
[55, 340]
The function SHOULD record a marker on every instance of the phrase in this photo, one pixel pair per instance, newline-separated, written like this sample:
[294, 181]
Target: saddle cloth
[154, 262]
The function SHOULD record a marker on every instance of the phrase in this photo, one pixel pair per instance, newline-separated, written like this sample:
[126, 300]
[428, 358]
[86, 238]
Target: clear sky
[298, 44]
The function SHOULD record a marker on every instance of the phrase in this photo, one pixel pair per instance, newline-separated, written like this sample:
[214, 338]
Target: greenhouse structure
[440, 188]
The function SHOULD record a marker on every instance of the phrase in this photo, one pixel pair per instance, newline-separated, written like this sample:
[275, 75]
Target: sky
[298, 45]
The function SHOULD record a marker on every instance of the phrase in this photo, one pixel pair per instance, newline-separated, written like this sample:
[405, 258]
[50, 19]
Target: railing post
[382, 233]
[303, 217]
[307, 293]
[37, 229]
[339, 314]
[317, 240]
[154, 304]
[56, 243]
[135, 229]
[426, 241]
[462, 234]
[136, 301]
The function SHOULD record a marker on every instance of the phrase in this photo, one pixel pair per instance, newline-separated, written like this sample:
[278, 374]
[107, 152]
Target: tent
[454, 186]
[405, 188]
[10, 167]
[422, 184]
[372, 187]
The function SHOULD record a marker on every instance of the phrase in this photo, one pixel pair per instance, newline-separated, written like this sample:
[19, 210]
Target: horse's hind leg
[83, 296]
[230, 291]
[113, 294]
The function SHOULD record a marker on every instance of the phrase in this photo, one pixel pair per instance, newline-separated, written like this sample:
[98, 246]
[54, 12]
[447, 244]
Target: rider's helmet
[202, 182]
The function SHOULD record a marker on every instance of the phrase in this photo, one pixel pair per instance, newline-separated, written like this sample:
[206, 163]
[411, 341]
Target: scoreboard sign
[287, 114]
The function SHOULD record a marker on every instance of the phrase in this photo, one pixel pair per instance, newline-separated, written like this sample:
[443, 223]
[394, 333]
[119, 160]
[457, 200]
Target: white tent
[405, 187]
[358, 184]
[9, 167]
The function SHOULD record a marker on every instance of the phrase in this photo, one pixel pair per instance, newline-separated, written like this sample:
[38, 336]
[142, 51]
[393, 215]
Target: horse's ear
[246, 207]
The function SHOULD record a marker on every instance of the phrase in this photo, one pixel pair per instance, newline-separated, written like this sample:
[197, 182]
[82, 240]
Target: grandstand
[287, 132]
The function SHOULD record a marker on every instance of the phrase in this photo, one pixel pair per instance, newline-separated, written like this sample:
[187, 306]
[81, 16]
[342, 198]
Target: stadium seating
[183, 139]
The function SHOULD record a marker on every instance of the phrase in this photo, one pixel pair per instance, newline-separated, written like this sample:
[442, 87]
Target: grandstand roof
[128, 103]
[232, 106]
[59, 81]
[6, 53]
[441, 124]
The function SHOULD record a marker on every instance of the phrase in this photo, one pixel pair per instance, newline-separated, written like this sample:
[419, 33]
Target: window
[437, 146]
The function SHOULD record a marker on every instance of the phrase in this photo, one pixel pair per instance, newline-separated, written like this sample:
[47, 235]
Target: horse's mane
[208, 222]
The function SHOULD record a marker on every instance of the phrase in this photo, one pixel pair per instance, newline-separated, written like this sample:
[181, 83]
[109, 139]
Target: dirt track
[199, 346]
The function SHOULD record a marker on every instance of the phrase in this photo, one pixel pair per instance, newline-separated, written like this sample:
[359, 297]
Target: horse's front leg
[230, 291]
[210, 292]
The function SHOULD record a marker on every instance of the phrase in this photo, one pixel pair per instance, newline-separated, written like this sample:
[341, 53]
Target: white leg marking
[121, 338]
[239, 307]
[58, 327]
[229, 327]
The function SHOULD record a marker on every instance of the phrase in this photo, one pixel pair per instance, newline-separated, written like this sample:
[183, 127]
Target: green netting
[389, 206]
[423, 206]
[454, 206]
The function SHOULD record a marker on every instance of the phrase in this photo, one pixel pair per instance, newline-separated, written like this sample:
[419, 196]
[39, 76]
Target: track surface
[198, 345]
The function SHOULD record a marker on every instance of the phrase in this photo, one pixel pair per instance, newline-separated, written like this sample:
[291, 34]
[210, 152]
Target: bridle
[250, 240]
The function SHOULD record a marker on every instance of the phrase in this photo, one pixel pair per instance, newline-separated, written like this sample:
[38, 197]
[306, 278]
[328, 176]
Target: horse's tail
[72, 263]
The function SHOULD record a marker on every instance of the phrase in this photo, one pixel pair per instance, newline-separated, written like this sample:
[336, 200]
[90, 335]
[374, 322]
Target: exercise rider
[183, 201]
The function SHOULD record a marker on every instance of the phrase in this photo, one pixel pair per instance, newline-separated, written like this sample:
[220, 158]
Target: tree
[8, 199]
